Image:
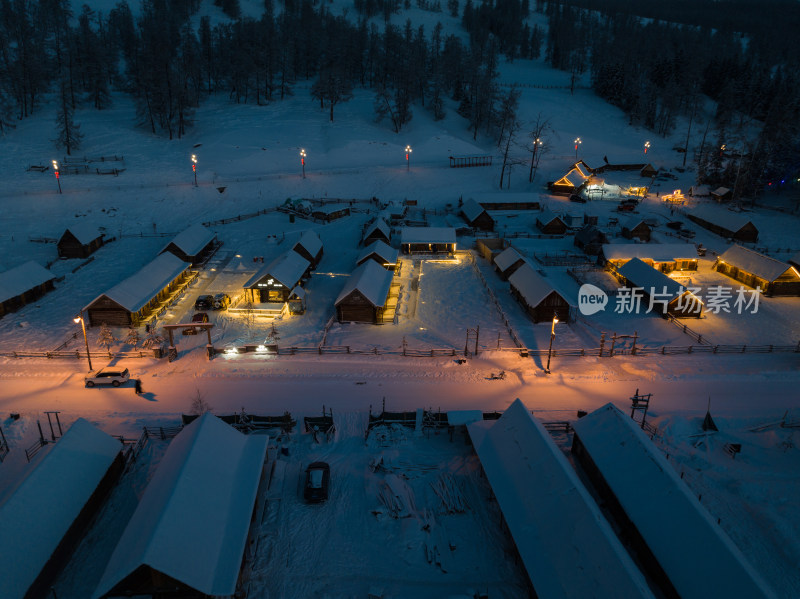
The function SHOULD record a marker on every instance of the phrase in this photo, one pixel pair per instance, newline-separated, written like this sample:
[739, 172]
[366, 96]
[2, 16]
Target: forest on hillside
[662, 65]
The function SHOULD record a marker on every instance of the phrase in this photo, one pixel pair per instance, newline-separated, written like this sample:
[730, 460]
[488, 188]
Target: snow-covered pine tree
[153, 339]
[106, 337]
[132, 336]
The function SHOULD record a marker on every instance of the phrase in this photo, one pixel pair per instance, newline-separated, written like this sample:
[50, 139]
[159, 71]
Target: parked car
[221, 301]
[198, 317]
[204, 302]
[110, 375]
[318, 479]
[686, 233]
[675, 225]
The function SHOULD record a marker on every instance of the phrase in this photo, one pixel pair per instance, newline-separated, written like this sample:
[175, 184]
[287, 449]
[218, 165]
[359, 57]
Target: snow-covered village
[380, 299]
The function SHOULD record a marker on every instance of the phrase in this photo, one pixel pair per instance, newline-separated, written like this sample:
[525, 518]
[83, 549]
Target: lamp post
[79, 319]
[194, 168]
[646, 146]
[537, 143]
[303, 161]
[408, 158]
[58, 179]
[577, 143]
[552, 336]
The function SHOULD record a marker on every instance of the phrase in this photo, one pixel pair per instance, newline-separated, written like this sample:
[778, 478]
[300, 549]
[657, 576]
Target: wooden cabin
[377, 230]
[24, 284]
[550, 224]
[540, 300]
[507, 262]
[476, 216]
[309, 246]
[636, 228]
[721, 194]
[491, 247]
[645, 170]
[380, 253]
[727, 224]
[192, 245]
[669, 296]
[363, 298]
[757, 270]
[428, 240]
[79, 241]
[590, 239]
[132, 300]
[274, 282]
[330, 212]
[665, 257]
[573, 181]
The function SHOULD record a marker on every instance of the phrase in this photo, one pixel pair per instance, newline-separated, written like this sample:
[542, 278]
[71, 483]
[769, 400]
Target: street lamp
[577, 143]
[408, 157]
[194, 168]
[79, 319]
[646, 146]
[552, 336]
[537, 143]
[303, 161]
[55, 170]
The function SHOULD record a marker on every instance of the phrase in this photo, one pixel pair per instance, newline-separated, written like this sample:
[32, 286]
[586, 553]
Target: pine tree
[153, 339]
[132, 336]
[106, 337]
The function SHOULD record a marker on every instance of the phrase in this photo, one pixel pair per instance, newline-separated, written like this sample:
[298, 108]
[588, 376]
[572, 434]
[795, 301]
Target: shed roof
[310, 241]
[589, 233]
[757, 264]
[566, 545]
[507, 258]
[732, 221]
[37, 514]
[387, 253]
[643, 275]
[137, 290]
[694, 552]
[546, 217]
[533, 287]
[427, 235]
[193, 519]
[330, 208]
[378, 224]
[191, 241]
[472, 209]
[16, 281]
[84, 232]
[658, 252]
[287, 269]
[371, 280]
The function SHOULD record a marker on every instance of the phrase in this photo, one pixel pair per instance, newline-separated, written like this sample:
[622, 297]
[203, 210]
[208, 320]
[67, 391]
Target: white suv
[107, 376]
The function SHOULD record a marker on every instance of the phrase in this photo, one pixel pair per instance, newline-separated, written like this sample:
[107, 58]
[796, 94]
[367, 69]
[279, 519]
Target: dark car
[318, 479]
[198, 317]
[204, 302]
[221, 301]
[675, 224]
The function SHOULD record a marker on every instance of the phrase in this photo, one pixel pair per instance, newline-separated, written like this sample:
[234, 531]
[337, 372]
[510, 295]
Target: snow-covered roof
[757, 264]
[427, 235]
[472, 209]
[191, 241]
[721, 191]
[380, 225]
[16, 281]
[192, 521]
[641, 274]
[310, 241]
[84, 232]
[371, 280]
[795, 260]
[546, 217]
[35, 517]
[137, 290]
[287, 269]
[697, 556]
[330, 208]
[659, 252]
[732, 221]
[632, 222]
[386, 253]
[589, 233]
[566, 545]
[531, 285]
[506, 258]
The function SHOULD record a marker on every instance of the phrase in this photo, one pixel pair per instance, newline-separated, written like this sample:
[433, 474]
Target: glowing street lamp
[303, 161]
[552, 336]
[408, 157]
[58, 179]
[577, 143]
[537, 143]
[194, 168]
[79, 319]
[646, 146]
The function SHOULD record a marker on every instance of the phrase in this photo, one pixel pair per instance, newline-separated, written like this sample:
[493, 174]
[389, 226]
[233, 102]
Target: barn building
[507, 262]
[23, 284]
[428, 240]
[727, 224]
[565, 544]
[550, 224]
[364, 296]
[657, 512]
[538, 296]
[476, 216]
[193, 245]
[665, 257]
[132, 300]
[44, 518]
[721, 194]
[275, 282]
[573, 181]
[79, 241]
[636, 228]
[380, 253]
[377, 230]
[668, 296]
[757, 270]
[189, 532]
[309, 246]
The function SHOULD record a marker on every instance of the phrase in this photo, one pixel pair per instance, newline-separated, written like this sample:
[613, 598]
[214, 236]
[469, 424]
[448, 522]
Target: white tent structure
[189, 532]
[42, 517]
[565, 543]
